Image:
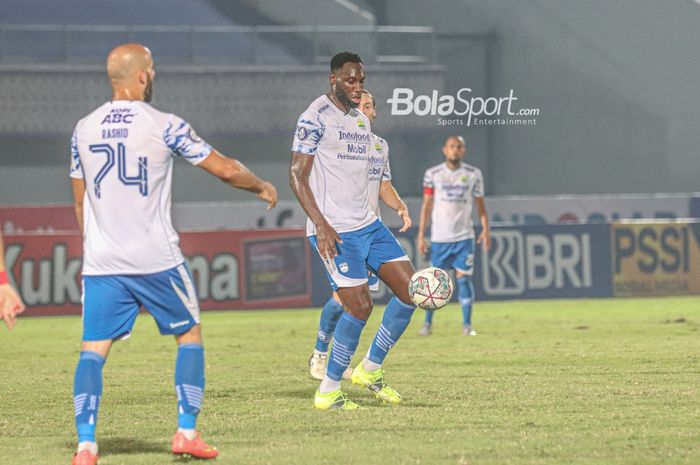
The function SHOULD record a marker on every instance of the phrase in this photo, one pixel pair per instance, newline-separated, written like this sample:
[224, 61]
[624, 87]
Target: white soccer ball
[430, 288]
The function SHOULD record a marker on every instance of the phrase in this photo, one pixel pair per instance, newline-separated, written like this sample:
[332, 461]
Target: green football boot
[334, 400]
[374, 381]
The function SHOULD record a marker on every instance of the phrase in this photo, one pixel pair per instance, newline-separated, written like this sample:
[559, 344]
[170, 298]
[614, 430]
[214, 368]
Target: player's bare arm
[78, 199]
[426, 210]
[392, 199]
[299, 171]
[11, 304]
[485, 235]
[236, 174]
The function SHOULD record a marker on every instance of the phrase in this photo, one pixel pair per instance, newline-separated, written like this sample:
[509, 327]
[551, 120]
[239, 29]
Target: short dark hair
[339, 59]
[374, 102]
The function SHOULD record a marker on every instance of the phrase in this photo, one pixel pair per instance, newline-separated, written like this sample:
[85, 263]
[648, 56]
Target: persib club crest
[378, 147]
[302, 133]
[193, 136]
[361, 124]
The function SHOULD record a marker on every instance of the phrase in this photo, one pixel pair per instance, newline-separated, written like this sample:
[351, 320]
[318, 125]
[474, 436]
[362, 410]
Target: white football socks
[328, 385]
[88, 445]
[369, 365]
[190, 434]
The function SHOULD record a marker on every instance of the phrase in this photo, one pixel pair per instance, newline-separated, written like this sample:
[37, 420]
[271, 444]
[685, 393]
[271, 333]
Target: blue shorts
[458, 255]
[373, 282]
[365, 249]
[111, 303]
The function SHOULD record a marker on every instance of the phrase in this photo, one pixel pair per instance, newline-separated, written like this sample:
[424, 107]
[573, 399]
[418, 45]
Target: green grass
[544, 382]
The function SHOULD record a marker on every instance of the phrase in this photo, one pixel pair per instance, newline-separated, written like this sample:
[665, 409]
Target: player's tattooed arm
[485, 235]
[392, 199]
[326, 236]
[78, 185]
[426, 210]
[236, 174]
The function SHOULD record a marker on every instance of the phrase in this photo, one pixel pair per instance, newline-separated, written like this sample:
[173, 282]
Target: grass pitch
[544, 382]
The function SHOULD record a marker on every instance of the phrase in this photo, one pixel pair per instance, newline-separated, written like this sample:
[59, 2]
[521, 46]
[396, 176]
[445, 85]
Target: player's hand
[422, 246]
[405, 217]
[485, 239]
[268, 193]
[11, 305]
[326, 238]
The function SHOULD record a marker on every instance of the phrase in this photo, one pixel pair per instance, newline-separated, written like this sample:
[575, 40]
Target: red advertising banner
[43, 219]
[231, 269]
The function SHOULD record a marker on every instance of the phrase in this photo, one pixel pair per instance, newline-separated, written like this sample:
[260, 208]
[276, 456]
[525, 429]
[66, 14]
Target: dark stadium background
[611, 134]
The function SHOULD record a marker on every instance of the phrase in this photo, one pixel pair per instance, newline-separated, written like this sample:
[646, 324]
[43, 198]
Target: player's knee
[192, 336]
[464, 283]
[406, 300]
[362, 310]
[402, 293]
[99, 347]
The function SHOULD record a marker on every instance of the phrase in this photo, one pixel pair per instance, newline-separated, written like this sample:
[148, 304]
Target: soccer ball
[430, 288]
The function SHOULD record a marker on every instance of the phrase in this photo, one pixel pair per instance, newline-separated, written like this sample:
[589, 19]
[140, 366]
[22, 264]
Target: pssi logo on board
[656, 258]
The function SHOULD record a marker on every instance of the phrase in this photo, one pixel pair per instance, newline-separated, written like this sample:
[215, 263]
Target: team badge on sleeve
[302, 133]
[193, 136]
[184, 142]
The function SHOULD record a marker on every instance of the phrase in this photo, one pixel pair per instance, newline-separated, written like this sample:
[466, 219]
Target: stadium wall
[264, 269]
[531, 210]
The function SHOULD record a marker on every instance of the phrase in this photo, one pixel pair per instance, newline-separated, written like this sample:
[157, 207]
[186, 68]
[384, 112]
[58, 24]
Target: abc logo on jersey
[520, 262]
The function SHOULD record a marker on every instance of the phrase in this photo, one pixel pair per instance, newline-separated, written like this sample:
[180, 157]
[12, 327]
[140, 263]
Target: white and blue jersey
[453, 194]
[340, 144]
[124, 151]
[379, 170]
[452, 227]
[349, 165]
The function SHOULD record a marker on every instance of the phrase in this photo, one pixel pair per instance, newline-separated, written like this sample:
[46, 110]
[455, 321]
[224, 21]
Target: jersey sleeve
[479, 185]
[76, 167]
[184, 142]
[308, 133]
[428, 183]
[386, 176]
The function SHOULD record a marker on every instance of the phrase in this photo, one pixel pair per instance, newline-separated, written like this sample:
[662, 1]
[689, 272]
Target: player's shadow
[408, 404]
[123, 445]
[297, 393]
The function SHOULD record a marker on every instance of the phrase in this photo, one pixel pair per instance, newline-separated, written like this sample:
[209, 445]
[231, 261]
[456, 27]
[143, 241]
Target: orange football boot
[84, 458]
[195, 447]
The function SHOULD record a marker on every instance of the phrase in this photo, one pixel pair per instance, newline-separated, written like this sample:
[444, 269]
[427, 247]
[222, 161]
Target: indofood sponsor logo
[353, 136]
[463, 109]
